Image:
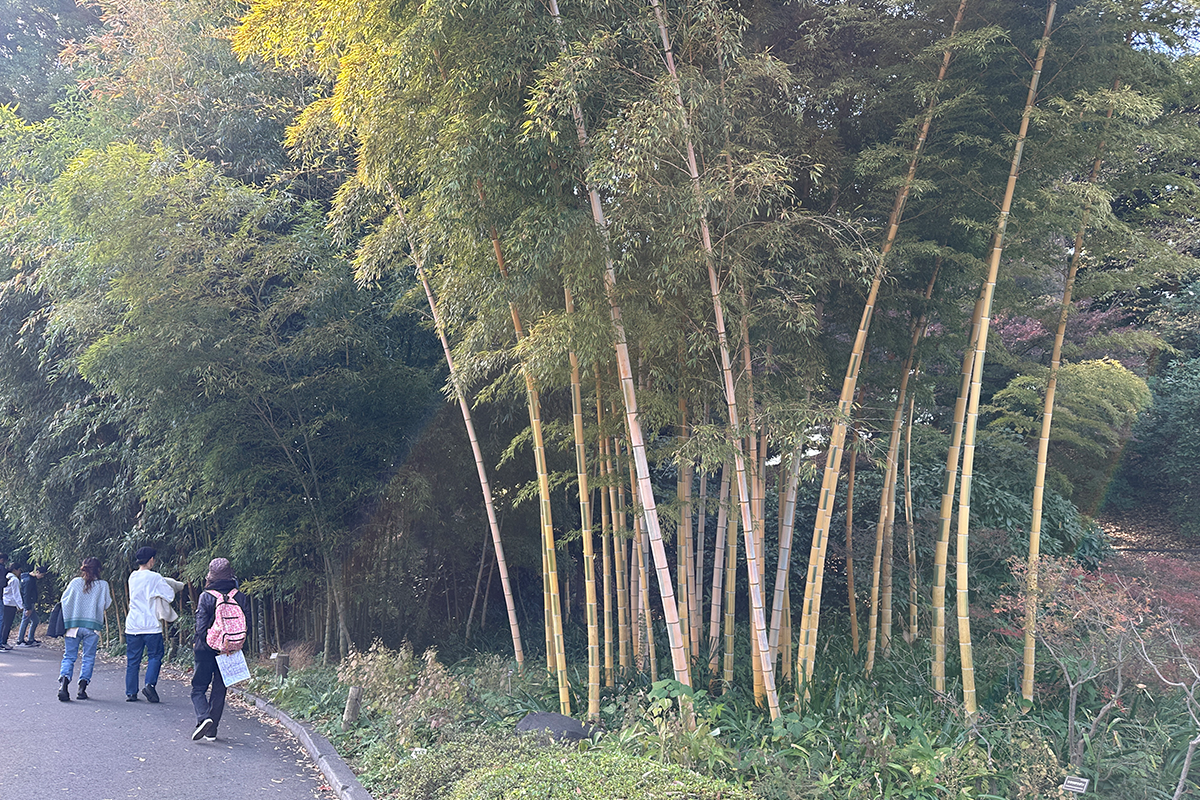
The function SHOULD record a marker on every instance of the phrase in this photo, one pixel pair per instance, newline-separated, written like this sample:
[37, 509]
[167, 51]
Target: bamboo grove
[667, 229]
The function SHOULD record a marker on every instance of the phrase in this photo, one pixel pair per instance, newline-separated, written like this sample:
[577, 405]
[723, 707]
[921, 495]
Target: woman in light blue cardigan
[83, 606]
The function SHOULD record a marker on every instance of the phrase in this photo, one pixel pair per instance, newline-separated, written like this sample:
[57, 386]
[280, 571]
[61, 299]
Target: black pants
[212, 706]
[10, 614]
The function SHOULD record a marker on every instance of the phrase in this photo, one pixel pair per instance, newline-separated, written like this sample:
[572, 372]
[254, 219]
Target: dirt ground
[1149, 532]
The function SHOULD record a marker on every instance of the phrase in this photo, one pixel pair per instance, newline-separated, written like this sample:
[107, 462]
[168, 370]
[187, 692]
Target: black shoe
[150, 692]
[206, 728]
[64, 689]
[131, 698]
[82, 693]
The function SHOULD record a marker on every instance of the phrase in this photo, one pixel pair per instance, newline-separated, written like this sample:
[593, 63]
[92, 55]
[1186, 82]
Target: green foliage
[313, 693]
[1095, 406]
[32, 34]
[592, 775]
[1165, 442]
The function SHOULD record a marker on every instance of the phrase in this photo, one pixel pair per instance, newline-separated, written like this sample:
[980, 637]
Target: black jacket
[205, 611]
[29, 590]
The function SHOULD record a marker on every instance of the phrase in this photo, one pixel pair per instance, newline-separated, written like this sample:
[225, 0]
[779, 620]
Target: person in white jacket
[143, 627]
[12, 604]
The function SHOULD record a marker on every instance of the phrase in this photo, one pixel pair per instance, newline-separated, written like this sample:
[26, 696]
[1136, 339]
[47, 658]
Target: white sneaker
[204, 729]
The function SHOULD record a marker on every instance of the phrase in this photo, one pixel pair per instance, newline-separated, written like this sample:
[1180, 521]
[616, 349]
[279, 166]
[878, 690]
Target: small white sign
[233, 668]
[1077, 785]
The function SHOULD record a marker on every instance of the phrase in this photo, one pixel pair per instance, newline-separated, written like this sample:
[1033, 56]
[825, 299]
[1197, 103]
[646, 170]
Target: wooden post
[281, 664]
[353, 704]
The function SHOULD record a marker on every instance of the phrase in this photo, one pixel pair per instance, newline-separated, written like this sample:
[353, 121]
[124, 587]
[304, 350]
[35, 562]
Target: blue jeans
[86, 642]
[152, 643]
[30, 622]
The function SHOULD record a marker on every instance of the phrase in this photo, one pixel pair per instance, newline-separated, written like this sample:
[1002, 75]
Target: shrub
[427, 702]
[433, 775]
[554, 773]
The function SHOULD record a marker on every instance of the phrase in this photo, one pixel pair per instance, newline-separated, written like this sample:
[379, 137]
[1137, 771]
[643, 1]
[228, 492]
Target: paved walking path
[107, 749]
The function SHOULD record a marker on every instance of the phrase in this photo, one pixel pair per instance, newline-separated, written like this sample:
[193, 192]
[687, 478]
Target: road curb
[341, 778]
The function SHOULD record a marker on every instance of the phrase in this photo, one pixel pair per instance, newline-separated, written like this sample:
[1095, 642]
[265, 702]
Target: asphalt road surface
[107, 749]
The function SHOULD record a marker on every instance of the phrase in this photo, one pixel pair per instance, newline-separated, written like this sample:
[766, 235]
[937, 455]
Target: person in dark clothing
[29, 596]
[210, 705]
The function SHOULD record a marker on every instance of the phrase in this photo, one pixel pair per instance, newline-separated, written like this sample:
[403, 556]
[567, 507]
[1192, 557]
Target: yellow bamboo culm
[1039, 483]
[851, 594]
[606, 535]
[585, 516]
[731, 540]
[810, 621]
[970, 706]
[418, 258]
[911, 635]
[683, 537]
[642, 486]
[718, 574]
[942, 548]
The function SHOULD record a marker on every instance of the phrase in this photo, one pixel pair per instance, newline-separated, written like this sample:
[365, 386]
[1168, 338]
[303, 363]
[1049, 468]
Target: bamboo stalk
[477, 452]
[731, 540]
[683, 537]
[850, 592]
[1039, 483]
[941, 551]
[643, 484]
[788, 504]
[757, 616]
[607, 535]
[972, 418]
[810, 621]
[534, 405]
[585, 516]
[911, 636]
[718, 571]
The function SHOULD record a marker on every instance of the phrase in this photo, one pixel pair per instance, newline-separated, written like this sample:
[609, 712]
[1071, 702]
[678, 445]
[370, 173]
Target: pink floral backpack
[227, 633]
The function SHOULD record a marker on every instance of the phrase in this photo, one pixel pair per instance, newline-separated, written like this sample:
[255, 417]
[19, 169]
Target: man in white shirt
[143, 629]
[12, 604]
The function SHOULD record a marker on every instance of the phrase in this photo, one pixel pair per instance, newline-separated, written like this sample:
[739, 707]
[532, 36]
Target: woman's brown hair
[90, 572]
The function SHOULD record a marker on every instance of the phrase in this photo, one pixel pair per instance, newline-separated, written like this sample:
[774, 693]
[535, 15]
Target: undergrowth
[445, 732]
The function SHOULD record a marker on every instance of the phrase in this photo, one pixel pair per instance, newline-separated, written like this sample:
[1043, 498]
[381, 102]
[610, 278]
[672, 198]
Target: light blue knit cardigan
[85, 609]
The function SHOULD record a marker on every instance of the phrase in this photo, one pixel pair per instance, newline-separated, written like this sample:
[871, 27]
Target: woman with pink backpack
[221, 617]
